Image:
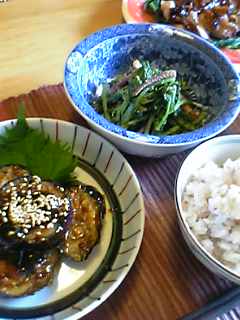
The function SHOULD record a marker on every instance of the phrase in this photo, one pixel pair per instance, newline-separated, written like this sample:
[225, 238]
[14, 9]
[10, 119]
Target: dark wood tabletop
[166, 281]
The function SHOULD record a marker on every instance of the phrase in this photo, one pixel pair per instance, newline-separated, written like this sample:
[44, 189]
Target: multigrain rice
[211, 207]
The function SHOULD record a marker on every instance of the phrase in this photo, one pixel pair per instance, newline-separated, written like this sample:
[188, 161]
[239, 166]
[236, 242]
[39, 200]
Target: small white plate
[81, 287]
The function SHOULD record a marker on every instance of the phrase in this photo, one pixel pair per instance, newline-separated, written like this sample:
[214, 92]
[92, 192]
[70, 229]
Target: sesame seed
[11, 184]
[42, 227]
[20, 234]
[11, 233]
[25, 230]
[50, 225]
[23, 185]
[5, 220]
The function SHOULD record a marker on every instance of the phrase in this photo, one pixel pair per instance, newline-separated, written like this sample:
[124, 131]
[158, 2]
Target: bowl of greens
[152, 89]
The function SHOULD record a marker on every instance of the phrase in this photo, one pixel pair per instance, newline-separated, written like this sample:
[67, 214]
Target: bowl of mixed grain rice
[207, 197]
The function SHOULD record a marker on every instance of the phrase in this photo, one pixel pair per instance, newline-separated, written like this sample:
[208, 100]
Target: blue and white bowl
[106, 53]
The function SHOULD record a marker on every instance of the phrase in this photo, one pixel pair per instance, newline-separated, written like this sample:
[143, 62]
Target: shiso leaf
[35, 151]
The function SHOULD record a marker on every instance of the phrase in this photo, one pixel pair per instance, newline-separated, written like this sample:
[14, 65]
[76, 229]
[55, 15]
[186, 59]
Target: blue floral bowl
[106, 53]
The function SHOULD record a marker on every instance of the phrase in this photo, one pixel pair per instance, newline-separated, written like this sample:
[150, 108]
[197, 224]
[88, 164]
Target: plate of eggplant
[71, 219]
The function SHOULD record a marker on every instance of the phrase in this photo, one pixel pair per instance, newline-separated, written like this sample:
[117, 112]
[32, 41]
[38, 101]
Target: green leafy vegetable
[232, 43]
[150, 100]
[152, 5]
[33, 150]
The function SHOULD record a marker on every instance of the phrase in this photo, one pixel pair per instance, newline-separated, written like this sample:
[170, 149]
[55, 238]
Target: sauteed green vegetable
[149, 100]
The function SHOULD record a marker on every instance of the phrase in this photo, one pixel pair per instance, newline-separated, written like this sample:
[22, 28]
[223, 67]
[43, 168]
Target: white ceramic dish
[81, 287]
[219, 150]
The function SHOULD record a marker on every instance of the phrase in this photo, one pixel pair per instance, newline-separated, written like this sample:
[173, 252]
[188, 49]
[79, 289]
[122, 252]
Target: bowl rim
[185, 226]
[214, 127]
[49, 310]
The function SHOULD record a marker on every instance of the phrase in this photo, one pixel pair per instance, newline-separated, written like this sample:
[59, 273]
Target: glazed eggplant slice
[23, 273]
[84, 230]
[11, 172]
[33, 212]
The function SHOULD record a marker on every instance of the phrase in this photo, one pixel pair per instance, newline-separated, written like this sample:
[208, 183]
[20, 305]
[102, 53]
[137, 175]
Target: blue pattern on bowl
[111, 51]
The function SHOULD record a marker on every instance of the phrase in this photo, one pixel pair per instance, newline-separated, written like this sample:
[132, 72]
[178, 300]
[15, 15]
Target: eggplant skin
[84, 230]
[18, 280]
[48, 233]
[11, 172]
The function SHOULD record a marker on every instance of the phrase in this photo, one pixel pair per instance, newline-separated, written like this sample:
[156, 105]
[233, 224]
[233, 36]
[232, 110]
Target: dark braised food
[38, 220]
[218, 19]
[24, 272]
[33, 212]
[44, 212]
[11, 172]
[84, 230]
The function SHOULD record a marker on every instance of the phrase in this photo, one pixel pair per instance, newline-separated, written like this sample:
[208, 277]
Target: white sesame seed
[50, 225]
[23, 184]
[5, 220]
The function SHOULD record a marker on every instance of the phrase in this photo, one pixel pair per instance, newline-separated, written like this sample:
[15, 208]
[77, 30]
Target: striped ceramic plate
[80, 287]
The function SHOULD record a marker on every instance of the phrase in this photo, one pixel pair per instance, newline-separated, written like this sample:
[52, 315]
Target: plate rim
[119, 279]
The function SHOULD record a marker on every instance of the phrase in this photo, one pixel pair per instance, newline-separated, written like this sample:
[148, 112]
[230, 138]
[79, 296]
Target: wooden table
[166, 281]
[37, 35]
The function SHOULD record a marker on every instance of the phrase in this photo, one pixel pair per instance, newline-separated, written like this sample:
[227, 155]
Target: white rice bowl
[211, 208]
